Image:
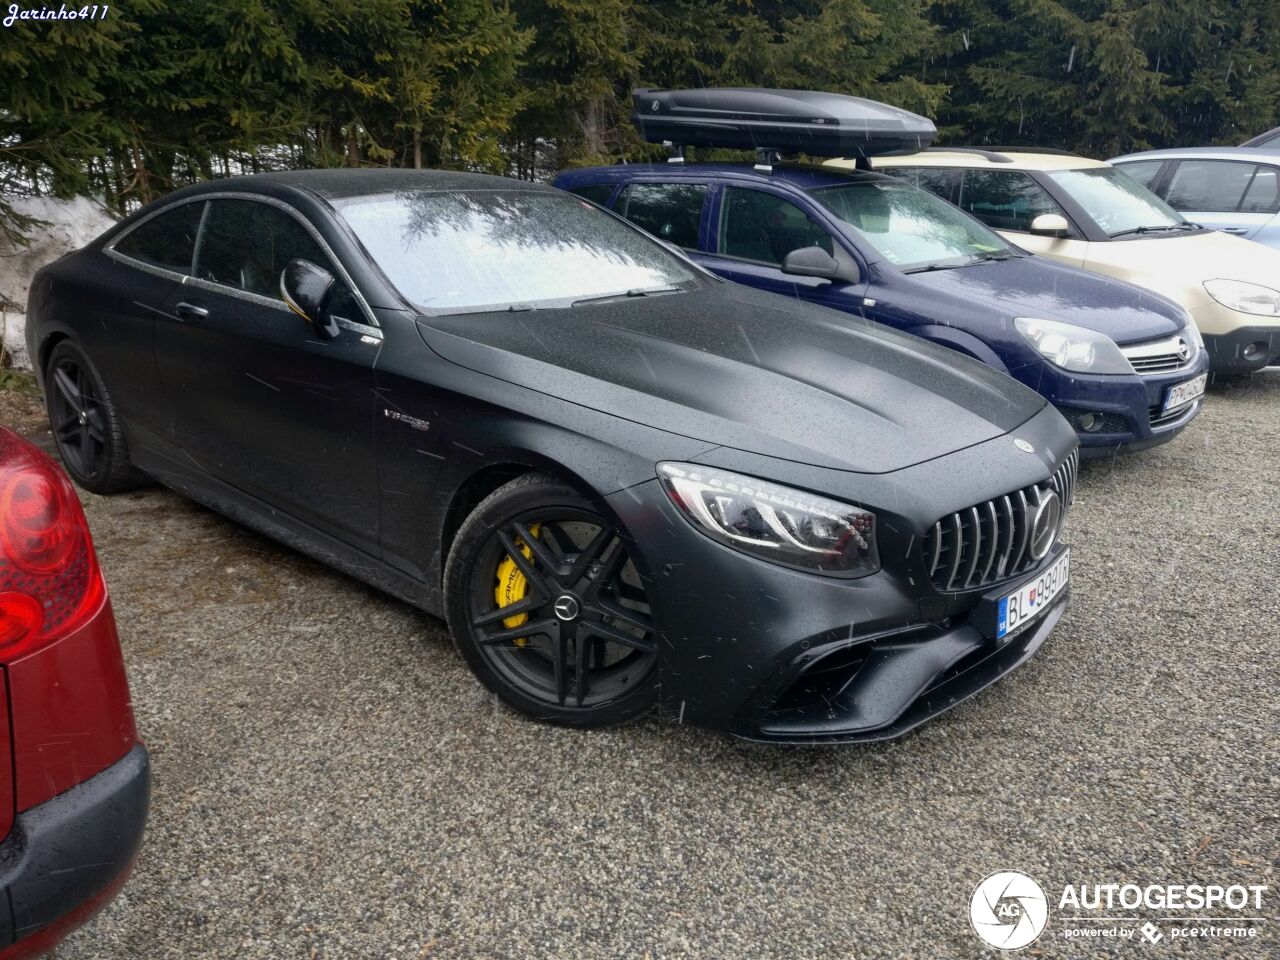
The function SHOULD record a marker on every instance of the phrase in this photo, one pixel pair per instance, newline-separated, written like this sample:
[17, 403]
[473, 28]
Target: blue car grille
[988, 542]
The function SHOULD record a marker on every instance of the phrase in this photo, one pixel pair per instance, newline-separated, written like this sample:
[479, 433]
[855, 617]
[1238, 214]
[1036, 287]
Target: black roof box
[788, 121]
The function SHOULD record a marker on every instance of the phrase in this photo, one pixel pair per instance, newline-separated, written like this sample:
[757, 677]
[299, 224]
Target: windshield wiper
[984, 257]
[635, 292]
[929, 267]
[1133, 230]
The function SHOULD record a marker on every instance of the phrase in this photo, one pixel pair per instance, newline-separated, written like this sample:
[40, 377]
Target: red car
[75, 781]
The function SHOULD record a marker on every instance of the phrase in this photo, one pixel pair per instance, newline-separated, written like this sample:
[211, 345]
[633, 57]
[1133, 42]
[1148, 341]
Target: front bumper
[1127, 411]
[892, 686]
[739, 632]
[68, 856]
[1244, 350]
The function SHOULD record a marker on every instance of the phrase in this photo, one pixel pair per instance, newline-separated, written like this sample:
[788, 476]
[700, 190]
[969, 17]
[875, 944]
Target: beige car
[1088, 214]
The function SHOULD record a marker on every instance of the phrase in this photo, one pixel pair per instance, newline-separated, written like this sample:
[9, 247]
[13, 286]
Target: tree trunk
[353, 146]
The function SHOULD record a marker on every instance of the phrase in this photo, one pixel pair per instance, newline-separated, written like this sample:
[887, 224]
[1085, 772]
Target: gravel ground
[330, 782]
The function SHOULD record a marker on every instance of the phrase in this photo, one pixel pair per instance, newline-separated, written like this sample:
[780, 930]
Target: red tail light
[49, 578]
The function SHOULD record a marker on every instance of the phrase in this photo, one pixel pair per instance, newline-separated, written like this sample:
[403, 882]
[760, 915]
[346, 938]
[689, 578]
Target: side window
[670, 211]
[595, 192]
[760, 226]
[1144, 171]
[167, 241]
[1263, 195]
[246, 245]
[937, 180]
[1211, 186]
[1004, 199]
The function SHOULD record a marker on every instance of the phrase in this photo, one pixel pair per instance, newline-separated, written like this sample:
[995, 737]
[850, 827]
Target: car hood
[1036, 287]
[1177, 265]
[739, 368]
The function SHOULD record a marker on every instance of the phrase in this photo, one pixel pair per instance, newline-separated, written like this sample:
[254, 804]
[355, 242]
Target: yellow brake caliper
[512, 586]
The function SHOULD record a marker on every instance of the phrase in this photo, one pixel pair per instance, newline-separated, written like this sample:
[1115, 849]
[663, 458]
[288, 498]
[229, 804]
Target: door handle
[190, 311]
[1237, 230]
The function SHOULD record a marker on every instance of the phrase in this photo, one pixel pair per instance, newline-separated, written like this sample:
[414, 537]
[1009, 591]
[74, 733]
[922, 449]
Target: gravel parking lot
[330, 782]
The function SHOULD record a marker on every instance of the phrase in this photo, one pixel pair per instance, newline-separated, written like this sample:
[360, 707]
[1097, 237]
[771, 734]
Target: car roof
[1257, 154]
[802, 176]
[982, 157]
[344, 183]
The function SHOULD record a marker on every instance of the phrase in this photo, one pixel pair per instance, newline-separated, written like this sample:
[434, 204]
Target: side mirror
[1050, 225]
[811, 262]
[306, 288]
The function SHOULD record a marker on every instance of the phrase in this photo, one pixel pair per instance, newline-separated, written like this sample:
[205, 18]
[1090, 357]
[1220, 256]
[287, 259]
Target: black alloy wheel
[86, 426]
[548, 607]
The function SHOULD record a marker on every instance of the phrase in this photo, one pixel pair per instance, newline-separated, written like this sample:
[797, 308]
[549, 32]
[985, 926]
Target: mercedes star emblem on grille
[1044, 528]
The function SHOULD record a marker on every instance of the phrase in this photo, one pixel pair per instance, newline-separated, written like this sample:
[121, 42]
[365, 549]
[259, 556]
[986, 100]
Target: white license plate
[1033, 598]
[1182, 393]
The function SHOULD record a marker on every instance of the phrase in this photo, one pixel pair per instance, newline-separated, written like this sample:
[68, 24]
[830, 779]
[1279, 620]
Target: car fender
[962, 341]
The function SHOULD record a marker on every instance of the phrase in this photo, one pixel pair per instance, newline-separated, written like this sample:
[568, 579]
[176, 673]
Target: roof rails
[997, 154]
[1028, 149]
[988, 154]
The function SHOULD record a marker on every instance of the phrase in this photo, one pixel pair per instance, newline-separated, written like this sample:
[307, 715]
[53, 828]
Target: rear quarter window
[167, 241]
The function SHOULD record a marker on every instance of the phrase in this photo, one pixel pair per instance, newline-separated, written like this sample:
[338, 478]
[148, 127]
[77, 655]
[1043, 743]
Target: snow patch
[72, 224]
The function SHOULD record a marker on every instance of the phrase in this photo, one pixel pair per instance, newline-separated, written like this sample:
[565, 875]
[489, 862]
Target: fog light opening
[1254, 351]
[1089, 422]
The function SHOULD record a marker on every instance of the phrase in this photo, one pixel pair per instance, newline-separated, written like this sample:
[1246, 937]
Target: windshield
[507, 249]
[910, 227]
[1117, 203]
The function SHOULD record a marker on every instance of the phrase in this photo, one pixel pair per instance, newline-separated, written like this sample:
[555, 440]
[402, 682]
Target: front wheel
[546, 605]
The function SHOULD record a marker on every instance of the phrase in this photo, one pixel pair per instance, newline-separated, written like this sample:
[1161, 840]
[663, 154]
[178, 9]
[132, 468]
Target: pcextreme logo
[1009, 910]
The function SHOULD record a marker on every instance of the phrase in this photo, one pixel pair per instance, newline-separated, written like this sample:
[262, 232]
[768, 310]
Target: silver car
[1232, 189]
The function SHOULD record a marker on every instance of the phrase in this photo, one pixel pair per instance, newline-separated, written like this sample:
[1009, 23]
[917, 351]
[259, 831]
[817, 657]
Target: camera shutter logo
[1008, 910]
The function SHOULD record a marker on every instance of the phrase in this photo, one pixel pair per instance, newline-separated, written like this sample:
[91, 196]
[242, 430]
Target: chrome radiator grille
[1159, 356]
[989, 542]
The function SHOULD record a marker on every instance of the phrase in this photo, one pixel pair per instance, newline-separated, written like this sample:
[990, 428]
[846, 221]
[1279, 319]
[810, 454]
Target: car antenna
[675, 151]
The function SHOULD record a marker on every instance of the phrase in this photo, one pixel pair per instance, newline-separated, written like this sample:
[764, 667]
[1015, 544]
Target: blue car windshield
[910, 227]
[453, 252]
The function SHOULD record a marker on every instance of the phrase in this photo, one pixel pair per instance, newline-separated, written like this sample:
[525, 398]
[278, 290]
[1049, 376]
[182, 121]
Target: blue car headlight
[772, 522]
[1073, 348]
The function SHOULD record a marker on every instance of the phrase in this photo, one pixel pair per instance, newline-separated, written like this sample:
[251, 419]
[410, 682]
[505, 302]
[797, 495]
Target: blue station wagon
[1125, 366]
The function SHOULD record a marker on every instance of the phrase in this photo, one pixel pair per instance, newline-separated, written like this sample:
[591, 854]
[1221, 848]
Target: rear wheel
[86, 425]
[546, 604]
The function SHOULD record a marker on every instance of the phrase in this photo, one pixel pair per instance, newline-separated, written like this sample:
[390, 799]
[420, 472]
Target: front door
[754, 230]
[1008, 201]
[257, 400]
[1233, 196]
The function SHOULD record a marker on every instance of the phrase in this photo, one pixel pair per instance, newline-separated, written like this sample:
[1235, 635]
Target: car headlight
[774, 523]
[1073, 348]
[1192, 333]
[1245, 297]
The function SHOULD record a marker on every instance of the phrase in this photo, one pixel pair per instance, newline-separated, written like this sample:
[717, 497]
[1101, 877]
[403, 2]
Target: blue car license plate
[1183, 393]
